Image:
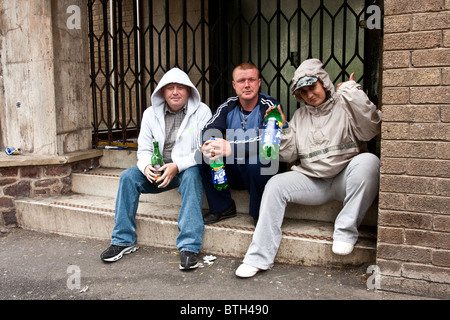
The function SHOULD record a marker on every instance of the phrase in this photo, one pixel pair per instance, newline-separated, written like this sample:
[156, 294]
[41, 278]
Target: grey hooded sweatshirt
[188, 135]
[325, 138]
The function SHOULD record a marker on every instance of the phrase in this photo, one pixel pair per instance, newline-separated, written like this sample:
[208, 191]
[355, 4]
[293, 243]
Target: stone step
[105, 182]
[304, 242]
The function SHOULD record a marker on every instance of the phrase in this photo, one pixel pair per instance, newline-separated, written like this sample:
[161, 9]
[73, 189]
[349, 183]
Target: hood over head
[178, 76]
[313, 68]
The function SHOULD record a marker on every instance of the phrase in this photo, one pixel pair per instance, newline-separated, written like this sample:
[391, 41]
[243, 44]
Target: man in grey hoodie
[174, 120]
[325, 138]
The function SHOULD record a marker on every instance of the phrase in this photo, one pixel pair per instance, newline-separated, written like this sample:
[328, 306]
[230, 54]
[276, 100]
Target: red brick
[429, 131]
[431, 21]
[395, 95]
[427, 239]
[442, 223]
[431, 57]
[393, 201]
[418, 203]
[396, 59]
[439, 291]
[402, 149]
[393, 166]
[412, 113]
[406, 286]
[428, 168]
[425, 272]
[436, 95]
[394, 131]
[443, 187]
[411, 77]
[405, 219]
[390, 235]
[392, 7]
[412, 40]
[409, 185]
[443, 150]
[441, 258]
[403, 253]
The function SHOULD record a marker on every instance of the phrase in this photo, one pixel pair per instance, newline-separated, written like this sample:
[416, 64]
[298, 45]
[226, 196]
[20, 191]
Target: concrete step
[105, 182]
[304, 242]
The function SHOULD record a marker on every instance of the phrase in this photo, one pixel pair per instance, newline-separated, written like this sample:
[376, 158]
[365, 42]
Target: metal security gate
[134, 42]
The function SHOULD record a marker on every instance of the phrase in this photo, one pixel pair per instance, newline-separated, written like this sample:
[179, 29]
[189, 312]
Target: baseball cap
[305, 81]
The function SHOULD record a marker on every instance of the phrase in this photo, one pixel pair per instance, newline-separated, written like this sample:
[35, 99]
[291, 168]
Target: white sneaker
[246, 271]
[342, 248]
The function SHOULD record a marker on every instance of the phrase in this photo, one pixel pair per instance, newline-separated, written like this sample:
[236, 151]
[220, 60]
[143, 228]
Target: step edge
[248, 230]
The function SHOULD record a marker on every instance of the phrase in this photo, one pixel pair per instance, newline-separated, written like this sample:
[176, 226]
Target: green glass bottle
[157, 162]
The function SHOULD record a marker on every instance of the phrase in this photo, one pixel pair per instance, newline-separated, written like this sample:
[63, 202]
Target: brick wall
[414, 220]
[35, 181]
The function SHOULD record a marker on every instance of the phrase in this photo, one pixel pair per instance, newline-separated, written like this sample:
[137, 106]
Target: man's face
[176, 96]
[246, 83]
[313, 95]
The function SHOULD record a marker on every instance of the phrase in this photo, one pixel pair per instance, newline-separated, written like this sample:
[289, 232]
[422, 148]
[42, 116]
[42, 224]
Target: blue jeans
[190, 220]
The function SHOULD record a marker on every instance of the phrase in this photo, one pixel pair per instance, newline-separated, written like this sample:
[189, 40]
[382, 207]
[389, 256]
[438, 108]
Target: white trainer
[342, 248]
[246, 271]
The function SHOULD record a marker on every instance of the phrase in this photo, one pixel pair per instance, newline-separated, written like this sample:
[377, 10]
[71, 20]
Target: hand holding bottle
[151, 173]
[169, 171]
[216, 148]
[279, 110]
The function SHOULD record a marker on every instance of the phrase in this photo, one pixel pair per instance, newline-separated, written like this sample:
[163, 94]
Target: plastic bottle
[157, 162]
[219, 176]
[13, 152]
[271, 137]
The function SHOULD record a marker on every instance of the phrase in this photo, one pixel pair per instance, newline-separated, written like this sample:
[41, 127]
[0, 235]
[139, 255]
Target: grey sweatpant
[356, 186]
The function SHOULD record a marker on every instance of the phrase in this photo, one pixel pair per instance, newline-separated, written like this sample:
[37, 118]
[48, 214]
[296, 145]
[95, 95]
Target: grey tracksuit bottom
[356, 186]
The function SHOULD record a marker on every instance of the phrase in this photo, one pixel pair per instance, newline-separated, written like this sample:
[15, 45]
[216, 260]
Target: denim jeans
[190, 220]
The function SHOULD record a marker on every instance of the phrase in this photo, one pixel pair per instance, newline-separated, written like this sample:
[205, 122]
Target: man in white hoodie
[174, 120]
[325, 138]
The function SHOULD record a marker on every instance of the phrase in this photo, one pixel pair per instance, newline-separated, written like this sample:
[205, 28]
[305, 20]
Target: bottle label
[271, 132]
[219, 175]
[158, 173]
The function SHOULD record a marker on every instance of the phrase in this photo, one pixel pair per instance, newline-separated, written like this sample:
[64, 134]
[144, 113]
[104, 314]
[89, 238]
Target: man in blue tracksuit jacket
[236, 126]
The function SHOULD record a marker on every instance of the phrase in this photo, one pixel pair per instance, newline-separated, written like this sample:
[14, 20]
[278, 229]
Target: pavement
[38, 266]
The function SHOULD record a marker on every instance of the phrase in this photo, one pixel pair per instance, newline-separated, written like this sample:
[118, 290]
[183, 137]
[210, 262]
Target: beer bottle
[157, 162]
[271, 137]
[218, 173]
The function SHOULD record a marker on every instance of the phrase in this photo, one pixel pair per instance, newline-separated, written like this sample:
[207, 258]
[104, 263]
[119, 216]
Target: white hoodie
[188, 135]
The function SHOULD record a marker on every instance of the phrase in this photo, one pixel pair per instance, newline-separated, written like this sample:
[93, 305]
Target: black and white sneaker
[189, 260]
[114, 253]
